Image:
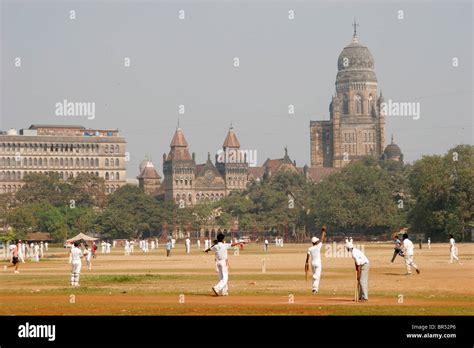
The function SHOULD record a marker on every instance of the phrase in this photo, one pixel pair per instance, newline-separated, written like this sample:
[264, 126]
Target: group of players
[403, 248]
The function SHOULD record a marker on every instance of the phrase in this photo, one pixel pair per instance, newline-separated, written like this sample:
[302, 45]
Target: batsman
[315, 253]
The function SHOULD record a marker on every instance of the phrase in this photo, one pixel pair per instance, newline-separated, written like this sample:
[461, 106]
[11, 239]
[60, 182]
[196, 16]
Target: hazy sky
[191, 62]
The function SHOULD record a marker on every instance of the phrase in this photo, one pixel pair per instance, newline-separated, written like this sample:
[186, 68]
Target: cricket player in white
[315, 253]
[36, 252]
[46, 246]
[21, 252]
[362, 268]
[107, 247]
[408, 252]
[75, 260]
[453, 250]
[198, 244]
[188, 245]
[88, 255]
[102, 249]
[220, 250]
[429, 243]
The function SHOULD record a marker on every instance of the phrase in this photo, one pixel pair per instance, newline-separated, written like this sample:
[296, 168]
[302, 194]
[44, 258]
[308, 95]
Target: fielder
[397, 249]
[315, 253]
[88, 255]
[107, 247]
[429, 243]
[75, 260]
[21, 251]
[103, 244]
[187, 243]
[453, 249]
[408, 252]
[169, 246]
[265, 245]
[220, 250]
[362, 268]
[14, 259]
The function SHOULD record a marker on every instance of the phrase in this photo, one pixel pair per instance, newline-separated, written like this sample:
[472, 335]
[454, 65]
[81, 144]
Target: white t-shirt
[188, 241]
[315, 252]
[359, 257]
[87, 254]
[452, 243]
[221, 250]
[266, 241]
[76, 255]
[408, 247]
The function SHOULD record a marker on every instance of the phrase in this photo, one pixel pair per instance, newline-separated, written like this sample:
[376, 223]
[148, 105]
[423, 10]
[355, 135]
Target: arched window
[106, 148]
[345, 105]
[106, 175]
[371, 104]
[117, 176]
[97, 162]
[106, 162]
[358, 104]
[112, 176]
[117, 162]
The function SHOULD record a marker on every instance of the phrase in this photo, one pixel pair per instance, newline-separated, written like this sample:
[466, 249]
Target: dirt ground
[271, 283]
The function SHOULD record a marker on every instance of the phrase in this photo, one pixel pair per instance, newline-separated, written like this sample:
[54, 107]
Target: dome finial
[392, 138]
[355, 25]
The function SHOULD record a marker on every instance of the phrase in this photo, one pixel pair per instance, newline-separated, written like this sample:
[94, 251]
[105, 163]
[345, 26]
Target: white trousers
[454, 255]
[316, 275]
[409, 263]
[75, 273]
[222, 270]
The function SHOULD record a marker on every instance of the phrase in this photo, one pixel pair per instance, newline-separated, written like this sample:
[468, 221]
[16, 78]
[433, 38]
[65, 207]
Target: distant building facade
[187, 183]
[66, 150]
[357, 126]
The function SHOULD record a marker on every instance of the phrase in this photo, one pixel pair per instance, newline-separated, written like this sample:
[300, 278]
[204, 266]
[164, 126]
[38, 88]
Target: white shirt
[452, 243]
[408, 247]
[75, 256]
[221, 250]
[266, 241]
[188, 241]
[315, 252]
[359, 257]
[87, 254]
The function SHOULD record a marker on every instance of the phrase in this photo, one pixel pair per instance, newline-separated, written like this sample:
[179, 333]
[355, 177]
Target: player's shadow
[394, 274]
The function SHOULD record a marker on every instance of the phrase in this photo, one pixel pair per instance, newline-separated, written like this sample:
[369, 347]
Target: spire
[355, 25]
[231, 140]
[286, 152]
[179, 147]
[178, 138]
[392, 139]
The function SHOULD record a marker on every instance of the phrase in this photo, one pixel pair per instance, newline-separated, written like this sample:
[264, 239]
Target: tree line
[432, 196]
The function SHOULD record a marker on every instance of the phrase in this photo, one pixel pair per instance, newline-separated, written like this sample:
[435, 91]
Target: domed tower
[392, 153]
[179, 169]
[356, 127]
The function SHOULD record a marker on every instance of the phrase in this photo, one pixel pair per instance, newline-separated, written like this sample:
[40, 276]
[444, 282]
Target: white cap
[314, 240]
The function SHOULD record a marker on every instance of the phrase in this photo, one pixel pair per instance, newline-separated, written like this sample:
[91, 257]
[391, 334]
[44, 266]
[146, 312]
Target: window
[345, 105]
[117, 162]
[358, 104]
[117, 176]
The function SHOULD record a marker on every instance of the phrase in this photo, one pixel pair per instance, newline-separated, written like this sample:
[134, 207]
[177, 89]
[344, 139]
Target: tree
[443, 188]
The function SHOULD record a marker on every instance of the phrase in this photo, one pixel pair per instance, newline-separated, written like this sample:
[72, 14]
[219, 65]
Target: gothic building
[356, 127]
[188, 183]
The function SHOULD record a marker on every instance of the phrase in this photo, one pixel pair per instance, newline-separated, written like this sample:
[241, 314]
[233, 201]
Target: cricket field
[260, 283]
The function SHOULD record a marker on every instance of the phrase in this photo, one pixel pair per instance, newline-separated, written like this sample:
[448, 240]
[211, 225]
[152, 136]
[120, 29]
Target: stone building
[67, 150]
[188, 183]
[356, 127]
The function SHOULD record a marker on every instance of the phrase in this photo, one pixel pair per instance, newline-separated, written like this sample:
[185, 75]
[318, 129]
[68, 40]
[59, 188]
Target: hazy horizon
[190, 62]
